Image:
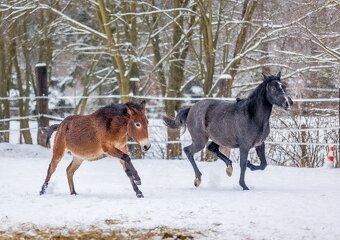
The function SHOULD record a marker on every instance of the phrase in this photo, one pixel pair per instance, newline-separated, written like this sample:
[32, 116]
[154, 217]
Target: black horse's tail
[50, 131]
[179, 121]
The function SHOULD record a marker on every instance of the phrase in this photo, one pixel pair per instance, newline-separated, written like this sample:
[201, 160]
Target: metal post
[42, 103]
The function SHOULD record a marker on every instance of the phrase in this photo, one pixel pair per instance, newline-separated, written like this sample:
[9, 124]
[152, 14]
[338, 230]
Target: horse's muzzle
[287, 102]
[145, 145]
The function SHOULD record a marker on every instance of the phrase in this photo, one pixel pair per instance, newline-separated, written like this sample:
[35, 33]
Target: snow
[40, 65]
[284, 203]
[225, 76]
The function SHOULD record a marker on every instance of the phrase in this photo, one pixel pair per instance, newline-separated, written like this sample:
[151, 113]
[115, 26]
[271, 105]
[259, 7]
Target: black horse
[243, 124]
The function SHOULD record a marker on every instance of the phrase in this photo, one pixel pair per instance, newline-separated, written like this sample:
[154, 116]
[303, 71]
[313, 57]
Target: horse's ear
[279, 75]
[128, 109]
[143, 103]
[264, 76]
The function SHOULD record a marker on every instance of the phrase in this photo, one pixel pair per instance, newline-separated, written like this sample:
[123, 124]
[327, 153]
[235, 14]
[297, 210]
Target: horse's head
[276, 91]
[138, 124]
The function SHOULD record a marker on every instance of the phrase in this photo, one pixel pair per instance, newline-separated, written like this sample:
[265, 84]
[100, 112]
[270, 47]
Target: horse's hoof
[74, 193]
[42, 192]
[229, 170]
[245, 188]
[138, 182]
[139, 195]
[197, 181]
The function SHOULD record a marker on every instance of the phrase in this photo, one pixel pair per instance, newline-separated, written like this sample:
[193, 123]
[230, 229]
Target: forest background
[171, 52]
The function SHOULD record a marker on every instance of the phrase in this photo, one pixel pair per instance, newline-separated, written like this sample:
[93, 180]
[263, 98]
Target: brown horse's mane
[118, 109]
[106, 113]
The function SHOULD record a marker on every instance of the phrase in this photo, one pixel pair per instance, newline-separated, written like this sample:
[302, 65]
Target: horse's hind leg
[74, 165]
[260, 150]
[190, 151]
[214, 148]
[58, 152]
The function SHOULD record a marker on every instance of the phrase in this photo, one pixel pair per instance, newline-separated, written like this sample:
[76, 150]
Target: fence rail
[55, 118]
[155, 98]
[51, 117]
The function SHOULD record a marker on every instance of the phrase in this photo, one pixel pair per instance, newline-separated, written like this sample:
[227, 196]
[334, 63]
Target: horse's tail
[50, 131]
[179, 121]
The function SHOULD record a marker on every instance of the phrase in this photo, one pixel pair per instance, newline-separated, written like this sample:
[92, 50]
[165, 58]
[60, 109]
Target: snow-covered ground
[284, 203]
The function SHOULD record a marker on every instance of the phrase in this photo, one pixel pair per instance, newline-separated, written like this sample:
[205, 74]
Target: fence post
[42, 103]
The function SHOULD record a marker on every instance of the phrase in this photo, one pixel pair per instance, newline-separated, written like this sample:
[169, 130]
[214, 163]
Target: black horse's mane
[259, 91]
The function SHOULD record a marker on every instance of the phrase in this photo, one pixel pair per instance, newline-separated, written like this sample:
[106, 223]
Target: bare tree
[5, 75]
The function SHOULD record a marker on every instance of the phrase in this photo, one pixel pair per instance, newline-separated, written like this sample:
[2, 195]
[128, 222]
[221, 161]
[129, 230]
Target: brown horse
[100, 134]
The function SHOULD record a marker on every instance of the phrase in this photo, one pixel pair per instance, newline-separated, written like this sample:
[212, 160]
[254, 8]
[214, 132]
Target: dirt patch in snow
[93, 232]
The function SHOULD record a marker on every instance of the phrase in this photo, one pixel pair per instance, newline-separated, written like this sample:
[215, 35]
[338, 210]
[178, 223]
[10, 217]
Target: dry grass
[33, 232]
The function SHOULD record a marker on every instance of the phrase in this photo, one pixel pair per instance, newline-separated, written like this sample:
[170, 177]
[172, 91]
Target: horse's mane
[113, 109]
[259, 91]
[118, 109]
[106, 113]
[136, 105]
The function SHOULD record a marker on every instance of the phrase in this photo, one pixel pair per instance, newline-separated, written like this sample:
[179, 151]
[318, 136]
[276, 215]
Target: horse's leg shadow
[214, 148]
[260, 150]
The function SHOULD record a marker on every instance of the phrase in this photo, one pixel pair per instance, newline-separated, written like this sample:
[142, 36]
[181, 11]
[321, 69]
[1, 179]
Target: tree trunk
[89, 85]
[304, 162]
[134, 73]
[155, 42]
[117, 57]
[4, 87]
[42, 104]
[249, 7]
[174, 150]
[23, 108]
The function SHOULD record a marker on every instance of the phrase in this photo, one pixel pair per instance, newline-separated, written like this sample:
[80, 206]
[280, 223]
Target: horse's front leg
[260, 150]
[130, 166]
[243, 165]
[135, 175]
[115, 152]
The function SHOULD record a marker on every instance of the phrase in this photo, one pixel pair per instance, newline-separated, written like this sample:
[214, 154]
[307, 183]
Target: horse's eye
[138, 125]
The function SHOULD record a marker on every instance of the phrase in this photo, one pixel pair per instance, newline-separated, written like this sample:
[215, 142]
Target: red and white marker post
[330, 158]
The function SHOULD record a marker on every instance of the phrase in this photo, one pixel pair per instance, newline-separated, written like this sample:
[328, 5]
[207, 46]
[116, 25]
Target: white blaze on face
[286, 98]
[288, 101]
[145, 144]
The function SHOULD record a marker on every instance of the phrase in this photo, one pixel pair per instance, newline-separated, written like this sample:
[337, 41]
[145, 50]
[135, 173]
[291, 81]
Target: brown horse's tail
[50, 131]
[179, 121]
